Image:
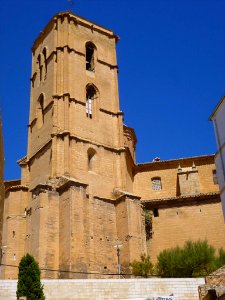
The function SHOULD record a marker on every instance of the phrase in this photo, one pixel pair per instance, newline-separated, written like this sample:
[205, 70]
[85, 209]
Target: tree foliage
[29, 279]
[219, 260]
[144, 267]
[193, 260]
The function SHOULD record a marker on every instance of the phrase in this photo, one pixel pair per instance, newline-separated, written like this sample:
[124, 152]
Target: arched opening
[39, 66]
[90, 56]
[91, 155]
[91, 95]
[45, 60]
[40, 111]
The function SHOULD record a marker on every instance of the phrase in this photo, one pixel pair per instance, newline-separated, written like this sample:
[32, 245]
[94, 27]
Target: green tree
[29, 279]
[198, 258]
[193, 260]
[144, 267]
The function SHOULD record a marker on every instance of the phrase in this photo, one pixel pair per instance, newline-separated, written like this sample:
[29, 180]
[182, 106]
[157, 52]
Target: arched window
[156, 183]
[45, 59]
[90, 56]
[91, 94]
[91, 155]
[40, 111]
[39, 66]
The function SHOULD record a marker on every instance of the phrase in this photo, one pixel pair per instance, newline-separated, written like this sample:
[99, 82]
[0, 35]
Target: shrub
[144, 267]
[170, 263]
[29, 283]
[220, 259]
[193, 260]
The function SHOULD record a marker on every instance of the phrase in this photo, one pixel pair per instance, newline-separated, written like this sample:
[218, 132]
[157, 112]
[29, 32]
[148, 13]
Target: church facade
[81, 189]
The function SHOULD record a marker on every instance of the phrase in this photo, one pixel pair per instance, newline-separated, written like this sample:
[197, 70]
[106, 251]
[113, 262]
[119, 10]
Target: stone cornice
[69, 182]
[120, 113]
[124, 195]
[16, 188]
[32, 123]
[78, 139]
[181, 200]
[174, 163]
[83, 140]
[71, 99]
[41, 188]
[62, 96]
[39, 150]
[107, 64]
[57, 184]
[108, 200]
[23, 161]
[69, 49]
[77, 20]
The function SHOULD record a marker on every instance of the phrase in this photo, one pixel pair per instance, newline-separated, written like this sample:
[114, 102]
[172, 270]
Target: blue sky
[171, 58]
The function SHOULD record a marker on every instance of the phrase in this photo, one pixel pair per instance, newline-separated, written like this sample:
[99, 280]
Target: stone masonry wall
[177, 224]
[110, 289]
[169, 172]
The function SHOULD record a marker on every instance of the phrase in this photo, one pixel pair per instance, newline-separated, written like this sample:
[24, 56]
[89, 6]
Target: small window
[215, 179]
[155, 212]
[90, 50]
[156, 184]
[90, 96]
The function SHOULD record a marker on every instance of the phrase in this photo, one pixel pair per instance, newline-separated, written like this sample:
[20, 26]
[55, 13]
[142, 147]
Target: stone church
[81, 189]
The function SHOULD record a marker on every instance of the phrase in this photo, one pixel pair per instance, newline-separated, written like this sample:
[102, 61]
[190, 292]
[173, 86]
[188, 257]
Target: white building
[218, 118]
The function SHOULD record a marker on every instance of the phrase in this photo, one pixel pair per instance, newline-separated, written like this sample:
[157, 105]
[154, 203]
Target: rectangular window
[89, 108]
[155, 212]
[156, 184]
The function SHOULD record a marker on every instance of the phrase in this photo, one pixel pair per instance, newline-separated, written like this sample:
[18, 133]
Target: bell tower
[79, 197]
[74, 105]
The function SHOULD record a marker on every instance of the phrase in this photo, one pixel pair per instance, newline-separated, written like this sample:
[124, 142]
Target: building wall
[180, 288]
[14, 230]
[178, 223]
[219, 127]
[178, 177]
[179, 210]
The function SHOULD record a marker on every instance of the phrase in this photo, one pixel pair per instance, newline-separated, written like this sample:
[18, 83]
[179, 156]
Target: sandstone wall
[179, 223]
[14, 233]
[201, 174]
